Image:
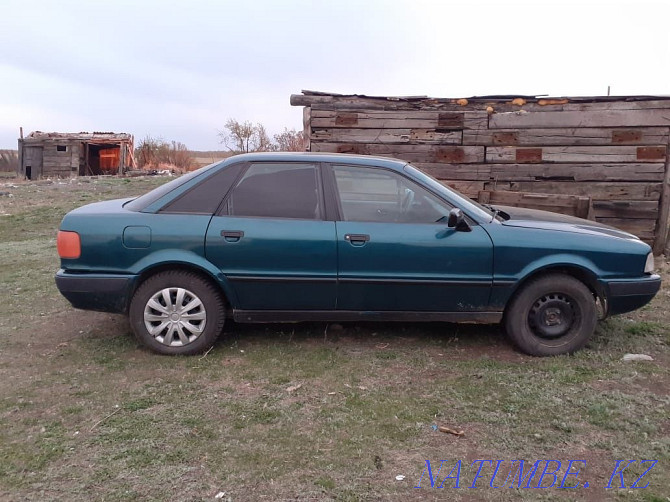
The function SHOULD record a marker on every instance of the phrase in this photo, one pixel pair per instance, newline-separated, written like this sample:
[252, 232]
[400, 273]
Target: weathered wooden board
[418, 136]
[574, 205]
[57, 160]
[573, 136]
[410, 153]
[399, 120]
[609, 118]
[597, 191]
[547, 172]
[60, 166]
[52, 166]
[60, 156]
[467, 188]
[453, 104]
[644, 229]
[369, 103]
[577, 172]
[471, 172]
[578, 106]
[626, 209]
[598, 154]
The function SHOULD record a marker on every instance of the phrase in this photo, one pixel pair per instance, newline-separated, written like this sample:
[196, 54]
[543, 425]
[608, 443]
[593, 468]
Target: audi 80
[286, 237]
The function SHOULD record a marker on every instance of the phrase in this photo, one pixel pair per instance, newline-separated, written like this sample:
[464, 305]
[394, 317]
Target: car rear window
[145, 200]
[206, 196]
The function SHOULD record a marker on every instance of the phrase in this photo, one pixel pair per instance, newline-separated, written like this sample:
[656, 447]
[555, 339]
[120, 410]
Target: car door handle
[357, 239]
[232, 235]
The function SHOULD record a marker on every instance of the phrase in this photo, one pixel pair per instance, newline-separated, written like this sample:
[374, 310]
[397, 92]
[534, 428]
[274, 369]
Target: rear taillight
[68, 244]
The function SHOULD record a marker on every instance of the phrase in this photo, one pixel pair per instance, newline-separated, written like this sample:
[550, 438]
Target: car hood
[534, 218]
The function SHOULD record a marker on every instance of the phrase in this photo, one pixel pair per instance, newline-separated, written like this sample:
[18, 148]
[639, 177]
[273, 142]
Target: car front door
[271, 242]
[396, 252]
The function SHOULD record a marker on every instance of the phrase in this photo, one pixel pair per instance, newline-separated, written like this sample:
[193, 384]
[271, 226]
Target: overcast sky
[179, 69]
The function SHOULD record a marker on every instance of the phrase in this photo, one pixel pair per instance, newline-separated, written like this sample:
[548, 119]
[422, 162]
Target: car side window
[277, 190]
[378, 195]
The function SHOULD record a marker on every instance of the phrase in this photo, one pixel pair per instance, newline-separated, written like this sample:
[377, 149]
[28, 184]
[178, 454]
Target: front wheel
[177, 313]
[553, 314]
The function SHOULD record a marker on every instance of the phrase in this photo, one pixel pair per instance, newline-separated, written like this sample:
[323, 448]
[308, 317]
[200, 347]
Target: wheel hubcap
[175, 317]
[552, 315]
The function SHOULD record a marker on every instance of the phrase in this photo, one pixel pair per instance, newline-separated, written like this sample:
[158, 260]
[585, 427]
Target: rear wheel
[177, 313]
[551, 315]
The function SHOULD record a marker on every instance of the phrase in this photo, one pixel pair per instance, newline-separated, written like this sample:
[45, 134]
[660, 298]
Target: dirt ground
[309, 411]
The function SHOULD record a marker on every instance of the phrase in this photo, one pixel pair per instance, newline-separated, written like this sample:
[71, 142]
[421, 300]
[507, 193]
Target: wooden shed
[610, 149]
[62, 155]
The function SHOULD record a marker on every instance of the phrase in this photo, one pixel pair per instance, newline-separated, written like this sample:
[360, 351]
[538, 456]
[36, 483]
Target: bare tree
[263, 141]
[244, 137]
[290, 141]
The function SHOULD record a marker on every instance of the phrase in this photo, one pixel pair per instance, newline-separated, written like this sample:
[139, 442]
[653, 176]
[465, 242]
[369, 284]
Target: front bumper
[630, 294]
[100, 292]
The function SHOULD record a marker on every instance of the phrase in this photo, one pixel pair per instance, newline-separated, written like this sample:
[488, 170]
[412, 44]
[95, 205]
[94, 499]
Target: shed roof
[489, 98]
[37, 136]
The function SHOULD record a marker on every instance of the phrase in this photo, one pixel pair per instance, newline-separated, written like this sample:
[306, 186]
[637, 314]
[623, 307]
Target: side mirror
[457, 221]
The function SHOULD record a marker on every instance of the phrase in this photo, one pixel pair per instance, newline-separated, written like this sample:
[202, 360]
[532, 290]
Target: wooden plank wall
[60, 164]
[614, 151]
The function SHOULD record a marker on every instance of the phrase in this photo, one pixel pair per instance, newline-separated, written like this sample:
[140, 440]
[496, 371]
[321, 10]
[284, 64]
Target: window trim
[222, 210]
[332, 185]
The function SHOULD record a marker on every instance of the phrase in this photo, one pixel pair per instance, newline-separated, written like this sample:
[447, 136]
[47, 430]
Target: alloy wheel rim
[175, 317]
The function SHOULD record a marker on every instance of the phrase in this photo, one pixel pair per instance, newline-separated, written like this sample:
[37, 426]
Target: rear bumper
[627, 295]
[101, 292]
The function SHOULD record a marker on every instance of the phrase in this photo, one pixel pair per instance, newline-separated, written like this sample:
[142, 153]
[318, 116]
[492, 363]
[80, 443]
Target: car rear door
[271, 241]
[393, 254]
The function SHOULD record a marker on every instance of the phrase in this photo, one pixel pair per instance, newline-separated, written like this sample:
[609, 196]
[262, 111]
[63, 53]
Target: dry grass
[87, 414]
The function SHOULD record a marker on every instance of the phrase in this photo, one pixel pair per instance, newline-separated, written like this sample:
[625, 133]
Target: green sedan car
[285, 237]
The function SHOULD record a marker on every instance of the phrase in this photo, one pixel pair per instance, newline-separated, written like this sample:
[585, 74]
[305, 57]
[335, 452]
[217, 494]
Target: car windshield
[143, 201]
[455, 197]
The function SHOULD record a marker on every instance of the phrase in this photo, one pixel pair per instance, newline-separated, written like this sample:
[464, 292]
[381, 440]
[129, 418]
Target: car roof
[362, 160]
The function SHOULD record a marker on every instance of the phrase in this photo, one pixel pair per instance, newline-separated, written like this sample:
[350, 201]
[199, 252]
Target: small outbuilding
[64, 155]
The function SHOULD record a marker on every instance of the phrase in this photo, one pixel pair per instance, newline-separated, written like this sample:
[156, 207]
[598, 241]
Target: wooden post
[307, 127]
[20, 172]
[661, 241]
[122, 158]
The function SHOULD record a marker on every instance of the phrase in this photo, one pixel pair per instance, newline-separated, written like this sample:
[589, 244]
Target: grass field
[307, 411]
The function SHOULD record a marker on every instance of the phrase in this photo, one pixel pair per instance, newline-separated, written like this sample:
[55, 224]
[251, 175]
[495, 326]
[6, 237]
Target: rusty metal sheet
[449, 155]
[626, 136]
[359, 149]
[346, 118]
[651, 153]
[506, 138]
[528, 155]
[450, 120]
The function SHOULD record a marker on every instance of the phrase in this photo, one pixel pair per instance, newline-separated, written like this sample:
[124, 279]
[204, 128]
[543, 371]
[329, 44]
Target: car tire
[177, 313]
[553, 314]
